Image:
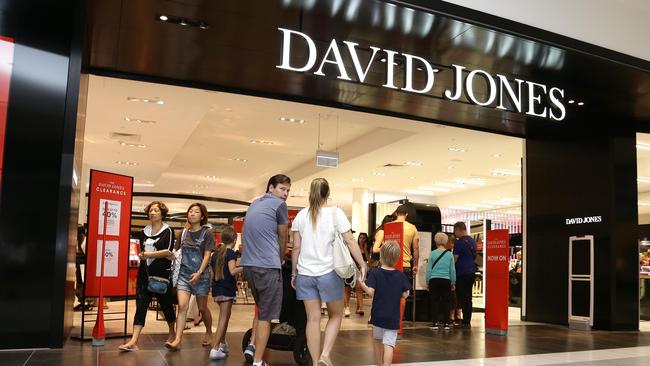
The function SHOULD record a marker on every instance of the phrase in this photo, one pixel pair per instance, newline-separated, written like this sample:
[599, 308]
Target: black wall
[584, 168]
[35, 199]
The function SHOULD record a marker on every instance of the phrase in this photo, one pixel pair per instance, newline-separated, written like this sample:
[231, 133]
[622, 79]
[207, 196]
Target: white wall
[620, 25]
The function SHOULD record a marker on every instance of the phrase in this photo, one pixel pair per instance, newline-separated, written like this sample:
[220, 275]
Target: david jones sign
[539, 100]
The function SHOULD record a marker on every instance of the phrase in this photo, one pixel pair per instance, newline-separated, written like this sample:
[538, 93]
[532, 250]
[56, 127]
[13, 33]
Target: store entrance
[185, 145]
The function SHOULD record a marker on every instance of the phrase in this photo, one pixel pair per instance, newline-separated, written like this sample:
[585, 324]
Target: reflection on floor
[525, 344]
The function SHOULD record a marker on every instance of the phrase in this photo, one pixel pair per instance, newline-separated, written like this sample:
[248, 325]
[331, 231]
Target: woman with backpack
[441, 277]
[156, 243]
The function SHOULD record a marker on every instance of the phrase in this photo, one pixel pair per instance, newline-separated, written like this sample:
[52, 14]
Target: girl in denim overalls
[196, 244]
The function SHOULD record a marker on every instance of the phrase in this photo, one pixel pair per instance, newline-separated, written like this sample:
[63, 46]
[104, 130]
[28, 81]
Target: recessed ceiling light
[143, 184]
[239, 160]
[163, 18]
[457, 149]
[450, 167]
[357, 180]
[261, 142]
[212, 177]
[290, 119]
[127, 163]
[413, 163]
[127, 144]
[412, 178]
[581, 103]
[146, 100]
[201, 186]
[138, 120]
[340, 185]
[379, 174]
[571, 101]
[502, 172]
[474, 181]
[496, 155]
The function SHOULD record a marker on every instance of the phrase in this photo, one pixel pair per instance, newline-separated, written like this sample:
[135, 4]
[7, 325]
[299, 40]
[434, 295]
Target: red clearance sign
[496, 281]
[395, 231]
[6, 66]
[113, 191]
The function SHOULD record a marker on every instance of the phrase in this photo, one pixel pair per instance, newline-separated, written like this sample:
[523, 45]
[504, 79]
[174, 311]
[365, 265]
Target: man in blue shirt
[464, 254]
[264, 243]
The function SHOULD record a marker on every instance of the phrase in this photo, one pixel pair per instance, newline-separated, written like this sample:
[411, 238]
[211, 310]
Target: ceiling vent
[126, 137]
[327, 159]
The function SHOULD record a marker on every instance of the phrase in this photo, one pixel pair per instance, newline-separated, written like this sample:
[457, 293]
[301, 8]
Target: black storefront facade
[396, 58]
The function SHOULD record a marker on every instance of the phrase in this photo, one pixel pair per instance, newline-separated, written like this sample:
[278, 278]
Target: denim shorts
[386, 336]
[327, 288]
[201, 288]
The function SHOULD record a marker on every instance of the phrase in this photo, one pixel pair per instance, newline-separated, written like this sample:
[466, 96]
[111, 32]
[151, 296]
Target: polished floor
[525, 344]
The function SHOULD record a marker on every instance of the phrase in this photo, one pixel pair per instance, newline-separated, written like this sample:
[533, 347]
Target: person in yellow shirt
[411, 250]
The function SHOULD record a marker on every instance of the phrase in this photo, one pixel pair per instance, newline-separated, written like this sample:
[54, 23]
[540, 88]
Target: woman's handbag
[158, 285]
[343, 263]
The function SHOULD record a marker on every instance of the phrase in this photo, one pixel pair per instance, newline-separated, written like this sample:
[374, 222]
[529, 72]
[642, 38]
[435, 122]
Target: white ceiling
[620, 25]
[196, 133]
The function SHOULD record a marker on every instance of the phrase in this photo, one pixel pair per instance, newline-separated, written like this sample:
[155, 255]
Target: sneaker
[262, 363]
[217, 354]
[447, 326]
[224, 347]
[466, 326]
[346, 312]
[249, 353]
[360, 312]
[435, 327]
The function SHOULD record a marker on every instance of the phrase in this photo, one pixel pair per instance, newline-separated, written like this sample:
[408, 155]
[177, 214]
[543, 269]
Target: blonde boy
[387, 287]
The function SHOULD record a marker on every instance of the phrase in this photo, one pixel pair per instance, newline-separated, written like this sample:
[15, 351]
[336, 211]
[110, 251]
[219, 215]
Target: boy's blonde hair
[389, 253]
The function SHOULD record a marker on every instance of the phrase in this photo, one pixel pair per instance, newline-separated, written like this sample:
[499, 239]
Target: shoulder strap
[439, 257]
[202, 236]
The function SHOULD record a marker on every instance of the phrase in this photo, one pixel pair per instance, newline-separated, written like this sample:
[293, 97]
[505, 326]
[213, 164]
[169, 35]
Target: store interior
[220, 149]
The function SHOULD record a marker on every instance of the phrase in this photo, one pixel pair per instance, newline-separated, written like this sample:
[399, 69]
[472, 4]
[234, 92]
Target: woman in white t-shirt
[313, 274]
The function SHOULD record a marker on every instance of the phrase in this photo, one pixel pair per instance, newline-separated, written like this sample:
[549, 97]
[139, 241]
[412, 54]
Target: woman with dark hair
[379, 235]
[156, 244]
[362, 240]
[196, 245]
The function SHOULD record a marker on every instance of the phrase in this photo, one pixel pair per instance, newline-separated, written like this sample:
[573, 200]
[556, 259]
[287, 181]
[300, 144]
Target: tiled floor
[525, 344]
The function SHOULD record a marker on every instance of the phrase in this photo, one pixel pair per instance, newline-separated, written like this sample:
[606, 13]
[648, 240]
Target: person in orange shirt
[411, 250]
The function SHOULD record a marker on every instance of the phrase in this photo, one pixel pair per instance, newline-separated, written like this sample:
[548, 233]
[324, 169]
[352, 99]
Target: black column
[37, 231]
[584, 166]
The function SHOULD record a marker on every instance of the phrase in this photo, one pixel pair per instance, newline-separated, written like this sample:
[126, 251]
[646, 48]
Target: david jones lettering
[527, 97]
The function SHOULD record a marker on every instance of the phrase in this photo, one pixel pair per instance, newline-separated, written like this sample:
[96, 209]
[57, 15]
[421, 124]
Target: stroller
[289, 334]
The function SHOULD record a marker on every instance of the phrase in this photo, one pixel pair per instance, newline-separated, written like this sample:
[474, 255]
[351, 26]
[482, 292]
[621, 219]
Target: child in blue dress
[224, 288]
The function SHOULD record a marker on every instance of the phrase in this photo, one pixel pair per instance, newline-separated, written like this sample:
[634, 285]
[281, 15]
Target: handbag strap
[439, 257]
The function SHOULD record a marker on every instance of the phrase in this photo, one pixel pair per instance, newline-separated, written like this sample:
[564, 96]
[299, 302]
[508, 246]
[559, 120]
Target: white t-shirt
[316, 245]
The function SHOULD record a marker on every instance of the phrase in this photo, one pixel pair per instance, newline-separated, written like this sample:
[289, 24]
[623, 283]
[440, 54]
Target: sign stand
[395, 231]
[107, 251]
[496, 281]
[581, 282]
[99, 334]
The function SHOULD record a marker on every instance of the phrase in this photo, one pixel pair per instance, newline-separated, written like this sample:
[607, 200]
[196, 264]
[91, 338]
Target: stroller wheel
[300, 351]
[246, 340]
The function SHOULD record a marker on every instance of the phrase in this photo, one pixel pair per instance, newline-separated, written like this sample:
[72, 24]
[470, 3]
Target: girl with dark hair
[196, 245]
[379, 234]
[156, 243]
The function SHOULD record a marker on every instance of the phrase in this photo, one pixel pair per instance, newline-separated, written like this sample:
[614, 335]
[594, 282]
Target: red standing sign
[496, 281]
[395, 231]
[112, 191]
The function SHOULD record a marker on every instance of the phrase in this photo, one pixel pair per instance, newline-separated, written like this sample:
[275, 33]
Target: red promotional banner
[6, 67]
[496, 281]
[115, 226]
[292, 216]
[395, 231]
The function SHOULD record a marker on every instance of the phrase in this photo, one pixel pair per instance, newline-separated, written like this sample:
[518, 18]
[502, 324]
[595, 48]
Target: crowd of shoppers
[194, 265]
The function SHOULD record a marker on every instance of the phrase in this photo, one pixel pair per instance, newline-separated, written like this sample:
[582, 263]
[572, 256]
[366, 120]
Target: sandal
[324, 361]
[172, 347]
[198, 321]
[206, 341]
[125, 348]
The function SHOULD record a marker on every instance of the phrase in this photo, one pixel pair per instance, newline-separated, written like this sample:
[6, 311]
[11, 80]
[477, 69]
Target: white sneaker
[249, 353]
[346, 312]
[217, 354]
[224, 347]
